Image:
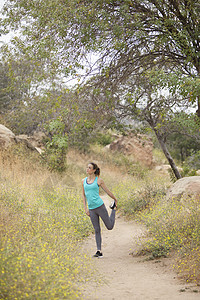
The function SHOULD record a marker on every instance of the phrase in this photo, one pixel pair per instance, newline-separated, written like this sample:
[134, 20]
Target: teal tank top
[92, 194]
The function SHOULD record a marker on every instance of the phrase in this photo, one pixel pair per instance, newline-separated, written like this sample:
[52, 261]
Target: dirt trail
[131, 278]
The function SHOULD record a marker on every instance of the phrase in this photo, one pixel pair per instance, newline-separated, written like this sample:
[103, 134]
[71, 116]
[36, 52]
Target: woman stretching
[95, 204]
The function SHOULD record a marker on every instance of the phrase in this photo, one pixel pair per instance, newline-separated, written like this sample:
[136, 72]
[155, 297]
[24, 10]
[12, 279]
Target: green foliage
[24, 107]
[109, 29]
[82, 132]
[191, 165]
[57, 33]
[56, 146]
[176, 82]
[193, 161]
[103, 138]
[188, 171]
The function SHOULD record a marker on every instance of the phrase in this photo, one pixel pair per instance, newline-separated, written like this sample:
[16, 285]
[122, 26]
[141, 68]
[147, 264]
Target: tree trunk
[167, 155]
[198, 108]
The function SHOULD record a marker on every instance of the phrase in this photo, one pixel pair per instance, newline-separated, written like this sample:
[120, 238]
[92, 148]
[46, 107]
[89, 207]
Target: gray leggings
[108, 221]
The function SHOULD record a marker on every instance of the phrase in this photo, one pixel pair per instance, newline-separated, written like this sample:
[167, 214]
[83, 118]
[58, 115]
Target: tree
[22, 88]
[184, 138]
[5, 98]
[128, 36]
[144, 100]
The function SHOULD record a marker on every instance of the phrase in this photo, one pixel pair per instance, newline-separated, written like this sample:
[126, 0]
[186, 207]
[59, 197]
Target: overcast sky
[4, 38]
[2, 3]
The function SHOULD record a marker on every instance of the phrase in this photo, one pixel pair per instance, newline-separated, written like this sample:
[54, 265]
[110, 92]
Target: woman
[94, 205]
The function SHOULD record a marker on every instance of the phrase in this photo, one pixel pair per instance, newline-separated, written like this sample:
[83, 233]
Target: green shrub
[193, 161]
[188, 171]
[103, 138]
[56, 146]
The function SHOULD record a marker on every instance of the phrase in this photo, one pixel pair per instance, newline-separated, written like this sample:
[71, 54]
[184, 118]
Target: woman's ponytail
[97, 172]
[96, 168]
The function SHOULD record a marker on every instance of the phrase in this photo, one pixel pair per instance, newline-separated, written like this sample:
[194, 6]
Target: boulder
[37, 139]
[7, 137]
[198, 172]
[33, 141]
[24, 139]
[138, 146]
[187, 186]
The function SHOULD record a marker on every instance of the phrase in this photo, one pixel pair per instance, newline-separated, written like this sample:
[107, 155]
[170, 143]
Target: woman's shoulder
[99, 181]
[84, 179]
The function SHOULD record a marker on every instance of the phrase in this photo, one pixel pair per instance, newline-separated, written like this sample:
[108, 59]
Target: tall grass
[173, 226]
[41, 231]
[138, 194]
[42, 222]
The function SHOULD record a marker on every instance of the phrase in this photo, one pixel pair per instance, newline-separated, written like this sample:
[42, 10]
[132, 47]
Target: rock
[187, 186]
[139, 147]
[7, 137]
[37, 139]
[39, 150]
[34, 141]
[166, 168]
[163, 168]
[23, 138]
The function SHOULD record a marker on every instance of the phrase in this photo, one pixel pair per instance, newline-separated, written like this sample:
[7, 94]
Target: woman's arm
[104, 187]
[84, 200]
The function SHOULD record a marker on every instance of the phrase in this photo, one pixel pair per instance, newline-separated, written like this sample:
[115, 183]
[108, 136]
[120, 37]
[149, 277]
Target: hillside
[43, 225]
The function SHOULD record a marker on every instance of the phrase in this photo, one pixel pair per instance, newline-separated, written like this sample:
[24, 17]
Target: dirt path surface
[127, 277]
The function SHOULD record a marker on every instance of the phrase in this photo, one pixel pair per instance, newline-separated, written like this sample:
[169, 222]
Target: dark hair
[95, 167]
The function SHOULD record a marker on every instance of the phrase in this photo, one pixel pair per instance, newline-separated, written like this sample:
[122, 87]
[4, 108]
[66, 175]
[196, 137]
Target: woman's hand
[116, 203]
[87, 212]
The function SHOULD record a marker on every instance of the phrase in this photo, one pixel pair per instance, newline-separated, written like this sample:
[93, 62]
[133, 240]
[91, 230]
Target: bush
[174, 225]
[193, 161]
[103, 138]
[40, 239]
[139, 194]
[191, 165]
[56, 146]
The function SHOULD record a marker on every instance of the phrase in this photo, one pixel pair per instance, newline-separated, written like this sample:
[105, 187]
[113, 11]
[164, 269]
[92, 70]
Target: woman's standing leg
[95, 222]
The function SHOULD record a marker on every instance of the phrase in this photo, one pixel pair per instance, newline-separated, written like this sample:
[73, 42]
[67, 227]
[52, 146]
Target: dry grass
[43, 222]
[173, 226]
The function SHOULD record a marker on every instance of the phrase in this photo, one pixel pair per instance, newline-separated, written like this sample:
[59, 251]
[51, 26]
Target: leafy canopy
[129, 32]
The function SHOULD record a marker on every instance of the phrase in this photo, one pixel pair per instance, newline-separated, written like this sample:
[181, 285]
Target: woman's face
[90, 169]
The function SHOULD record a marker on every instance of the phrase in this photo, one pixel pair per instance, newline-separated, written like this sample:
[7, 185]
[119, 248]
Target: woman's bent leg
[109, 221]
[95, 222]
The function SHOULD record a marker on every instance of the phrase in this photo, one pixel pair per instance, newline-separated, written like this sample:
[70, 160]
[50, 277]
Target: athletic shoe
[98, 254]
[112, 205]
